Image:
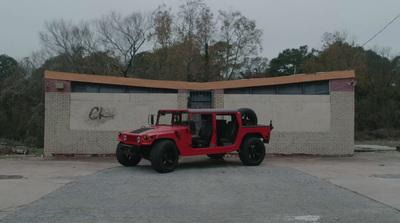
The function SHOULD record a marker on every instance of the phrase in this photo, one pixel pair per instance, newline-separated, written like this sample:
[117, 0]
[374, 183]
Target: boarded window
[264, 90]
[109, 88]
[136, 90]
[290, 89]
[237, 91]
[309, 88]
[106, 88]
[84, 87]
[316, 88]
[200, 99]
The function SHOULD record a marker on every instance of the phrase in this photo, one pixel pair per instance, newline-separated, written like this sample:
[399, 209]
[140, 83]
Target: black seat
[192, 126]
[229, 135]
[205, 135]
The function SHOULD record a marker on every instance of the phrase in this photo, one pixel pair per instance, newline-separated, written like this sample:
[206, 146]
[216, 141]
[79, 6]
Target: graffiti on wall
[101, 114]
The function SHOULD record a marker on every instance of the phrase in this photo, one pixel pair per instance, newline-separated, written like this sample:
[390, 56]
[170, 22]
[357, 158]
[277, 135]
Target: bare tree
[185, 28]
[124, 35]
[329, 39]
[205, 37]
[184, 38]
[74, 41]
[241, 39]
[162, 33]
[256, 65]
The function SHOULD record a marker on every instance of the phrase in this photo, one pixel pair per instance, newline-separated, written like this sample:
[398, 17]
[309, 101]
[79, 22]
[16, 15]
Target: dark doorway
[200, 99]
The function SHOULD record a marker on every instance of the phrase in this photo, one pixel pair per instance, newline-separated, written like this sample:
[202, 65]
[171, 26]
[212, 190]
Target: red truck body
[193, 132]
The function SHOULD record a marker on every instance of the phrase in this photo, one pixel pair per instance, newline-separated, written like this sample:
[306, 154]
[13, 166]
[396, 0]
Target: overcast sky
[285, 23]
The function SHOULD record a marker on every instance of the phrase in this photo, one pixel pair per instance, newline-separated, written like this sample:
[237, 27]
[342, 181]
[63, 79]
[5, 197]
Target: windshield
[164, 118]
[173, 118]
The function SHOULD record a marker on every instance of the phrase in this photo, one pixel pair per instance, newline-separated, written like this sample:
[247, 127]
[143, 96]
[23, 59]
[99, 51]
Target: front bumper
[130, 149]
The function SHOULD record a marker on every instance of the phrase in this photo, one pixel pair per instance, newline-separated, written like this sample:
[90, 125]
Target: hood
[154, 130]
[138, 131]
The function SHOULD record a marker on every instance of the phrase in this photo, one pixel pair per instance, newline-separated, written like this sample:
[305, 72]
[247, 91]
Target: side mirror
[150, 119]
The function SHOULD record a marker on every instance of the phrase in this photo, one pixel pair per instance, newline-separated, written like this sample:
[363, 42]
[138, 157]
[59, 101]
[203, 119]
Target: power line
[381, 30]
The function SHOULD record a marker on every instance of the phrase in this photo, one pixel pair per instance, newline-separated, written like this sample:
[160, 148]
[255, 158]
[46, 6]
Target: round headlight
[138, 139]
[124, 137]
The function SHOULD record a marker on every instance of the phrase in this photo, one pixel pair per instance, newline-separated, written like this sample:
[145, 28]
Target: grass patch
[8, 156]
[36, 151]
[379, 137]
[11, 143]
[31, 152]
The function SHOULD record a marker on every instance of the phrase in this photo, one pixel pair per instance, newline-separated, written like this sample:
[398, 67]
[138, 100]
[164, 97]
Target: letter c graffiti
[95, 113]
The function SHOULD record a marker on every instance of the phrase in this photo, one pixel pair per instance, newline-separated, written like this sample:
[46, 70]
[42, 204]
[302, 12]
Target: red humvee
[190, 132]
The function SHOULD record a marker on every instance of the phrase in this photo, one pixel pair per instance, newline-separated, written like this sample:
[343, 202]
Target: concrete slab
[372, 175]
[23, 181]
[204, 190]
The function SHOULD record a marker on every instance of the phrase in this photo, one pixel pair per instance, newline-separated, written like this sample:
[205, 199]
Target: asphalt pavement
[25, 179]
[281, 189]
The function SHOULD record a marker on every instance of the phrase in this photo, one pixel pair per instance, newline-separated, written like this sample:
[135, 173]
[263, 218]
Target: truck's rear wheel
[216, 156]
[252, 151]
[127, 159]
[164, 156]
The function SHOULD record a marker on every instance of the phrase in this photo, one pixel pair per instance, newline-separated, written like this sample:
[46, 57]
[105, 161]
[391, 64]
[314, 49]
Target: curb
[375, 148]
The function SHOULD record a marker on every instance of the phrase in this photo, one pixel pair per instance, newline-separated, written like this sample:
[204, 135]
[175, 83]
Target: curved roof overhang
[182, 85]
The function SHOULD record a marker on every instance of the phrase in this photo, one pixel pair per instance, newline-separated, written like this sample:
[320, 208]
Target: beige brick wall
[219, 98]
[119, 111]
[182, 99]
[332, 134]
[101, 138]
[339, 141]
[59, 139]
[289, 113]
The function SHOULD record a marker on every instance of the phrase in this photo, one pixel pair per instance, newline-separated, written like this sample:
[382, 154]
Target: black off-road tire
[252, 151]
[164, 156]
[216, 156]
[249, 117]
[127, 159]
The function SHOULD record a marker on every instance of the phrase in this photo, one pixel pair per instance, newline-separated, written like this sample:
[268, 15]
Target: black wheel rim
[246, 120]
[255, 152]
[129, 157]
[169, 157]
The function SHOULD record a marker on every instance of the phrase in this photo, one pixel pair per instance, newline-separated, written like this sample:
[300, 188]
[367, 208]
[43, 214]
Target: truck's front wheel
[252, 151]
[164, 156]
[127, 159]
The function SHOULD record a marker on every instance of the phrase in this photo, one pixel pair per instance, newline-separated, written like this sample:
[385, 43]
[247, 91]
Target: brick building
[312, 113]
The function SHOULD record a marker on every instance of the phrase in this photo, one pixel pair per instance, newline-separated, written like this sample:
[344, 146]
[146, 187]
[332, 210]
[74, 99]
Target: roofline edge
[182, 85]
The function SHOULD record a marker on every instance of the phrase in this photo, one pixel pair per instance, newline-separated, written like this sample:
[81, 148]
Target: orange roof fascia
[99, 79]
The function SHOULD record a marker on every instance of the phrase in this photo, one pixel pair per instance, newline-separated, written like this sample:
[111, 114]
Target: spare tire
[249, 117]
